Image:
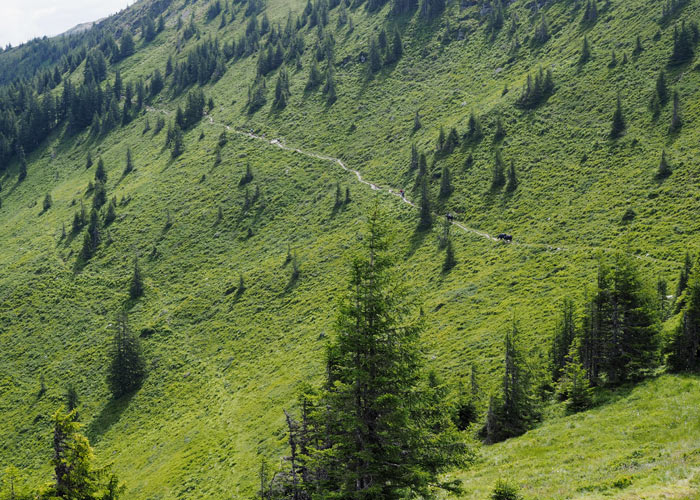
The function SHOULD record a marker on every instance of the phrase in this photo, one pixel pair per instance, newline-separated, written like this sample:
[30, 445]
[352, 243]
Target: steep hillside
[224, 360]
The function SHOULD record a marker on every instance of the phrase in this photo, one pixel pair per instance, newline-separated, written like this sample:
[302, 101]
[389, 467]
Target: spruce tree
[564, 334]
[22, 165]
[683, 281]
[47, 202]
[127, 368]
[618, 120]
[661, 87]
[75, 475]
[88, 160]
[513, 413]
[445, 182]
[111, 214]
[129, 162]
[92, 238]
[136, 286]
[389, 425]
[314, 77]
[100, 173]
[498, 178]
[574, 384]
[585, 52]
[684, 346]
[416, 121]
[500, 132]
[413, 163]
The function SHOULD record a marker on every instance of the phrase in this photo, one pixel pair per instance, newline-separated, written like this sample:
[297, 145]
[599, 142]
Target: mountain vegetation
[353, 249]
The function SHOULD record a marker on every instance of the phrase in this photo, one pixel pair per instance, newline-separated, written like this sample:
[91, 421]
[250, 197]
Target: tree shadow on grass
[417, 238]
[110, 415]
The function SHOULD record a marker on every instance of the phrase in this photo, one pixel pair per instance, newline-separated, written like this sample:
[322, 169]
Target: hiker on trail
[449, 216]
[402, 193]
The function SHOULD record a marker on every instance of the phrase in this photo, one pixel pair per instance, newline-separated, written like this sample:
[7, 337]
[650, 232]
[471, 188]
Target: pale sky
[22, 20]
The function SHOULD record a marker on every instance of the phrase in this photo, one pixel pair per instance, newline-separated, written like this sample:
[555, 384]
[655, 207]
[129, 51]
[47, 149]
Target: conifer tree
[413, 164]
[618, 120]
[281, 90]
[91, 239]
[390, 427]
[22, 165]
[564, 334]
[684, 346]
[620, 339]
[498, 178]
[585, 52]
[575, 385]
[75, 475]
[683, 280]
[638, 49]
[500, 129]
[47, 202]
[100, 173]
[445, 182]
[177, 143]
[127, 368]
[661, 87]
[136, 286]
[416, 121]
[111, 214]
[314, 77]
[88, 160]
[474, 131]
[514, 413]
[99, 196]
[129, 162]
[683, 44]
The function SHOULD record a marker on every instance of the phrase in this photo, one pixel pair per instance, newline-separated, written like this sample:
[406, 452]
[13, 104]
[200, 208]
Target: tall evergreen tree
[575, 385]
[127, 368]
[129, 162]
[136, 286]
[564, 335]
[498, 179]
[513, 413]
[100, 173]
[445, 182]
[661, 87]
[378, 428]
[75, 474]
[585, 52]
[620, 339]
[684, 346]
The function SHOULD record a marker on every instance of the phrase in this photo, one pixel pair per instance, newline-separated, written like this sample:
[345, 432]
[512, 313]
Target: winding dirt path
[376, 187]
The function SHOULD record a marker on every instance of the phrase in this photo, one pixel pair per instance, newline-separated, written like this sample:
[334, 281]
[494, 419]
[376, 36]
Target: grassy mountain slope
[223, 363]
